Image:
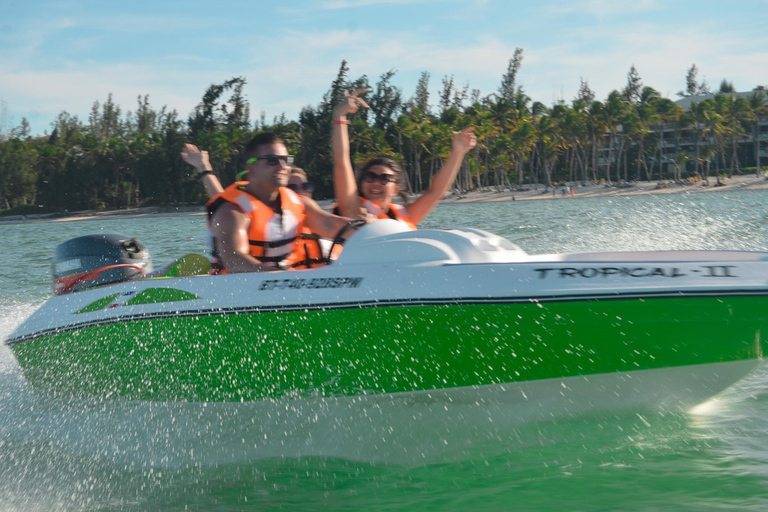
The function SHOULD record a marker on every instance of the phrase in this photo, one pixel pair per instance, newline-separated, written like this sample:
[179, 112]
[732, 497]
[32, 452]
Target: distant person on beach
[256, 224]
[381, 179]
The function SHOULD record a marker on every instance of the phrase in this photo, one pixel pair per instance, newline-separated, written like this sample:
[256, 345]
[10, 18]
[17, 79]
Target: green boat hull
[353, 351]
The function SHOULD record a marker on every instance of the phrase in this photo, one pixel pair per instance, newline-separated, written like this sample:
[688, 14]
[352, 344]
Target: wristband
[341, 121]
[206, 172]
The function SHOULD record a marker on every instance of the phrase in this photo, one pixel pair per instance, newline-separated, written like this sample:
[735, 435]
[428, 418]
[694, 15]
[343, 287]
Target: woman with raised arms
[381, 179]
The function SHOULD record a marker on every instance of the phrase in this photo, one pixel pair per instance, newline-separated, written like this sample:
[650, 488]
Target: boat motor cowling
[97, 260]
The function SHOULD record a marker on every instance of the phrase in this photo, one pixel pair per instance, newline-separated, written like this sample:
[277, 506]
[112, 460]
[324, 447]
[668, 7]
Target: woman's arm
[326, 224]
[199, 160]
[344, 183]
[463, 141]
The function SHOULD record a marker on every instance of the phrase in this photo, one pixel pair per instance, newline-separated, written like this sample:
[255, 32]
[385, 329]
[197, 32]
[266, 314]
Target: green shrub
[25, 209]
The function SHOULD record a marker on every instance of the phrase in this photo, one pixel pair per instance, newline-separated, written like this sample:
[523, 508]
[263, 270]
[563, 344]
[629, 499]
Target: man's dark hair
[263, 139]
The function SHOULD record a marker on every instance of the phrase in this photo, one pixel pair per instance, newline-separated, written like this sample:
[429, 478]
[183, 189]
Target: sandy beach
[526, 193]
[744, 182]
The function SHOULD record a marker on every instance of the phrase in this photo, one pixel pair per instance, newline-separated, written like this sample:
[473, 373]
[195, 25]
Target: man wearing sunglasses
[256, 223]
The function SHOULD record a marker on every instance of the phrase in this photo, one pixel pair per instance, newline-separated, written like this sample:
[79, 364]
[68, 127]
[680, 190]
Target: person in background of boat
[317, 249]
[256, 223]
[381, 179]
[298, 182]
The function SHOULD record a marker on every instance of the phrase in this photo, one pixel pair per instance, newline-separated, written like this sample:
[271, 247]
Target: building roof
[686, 101]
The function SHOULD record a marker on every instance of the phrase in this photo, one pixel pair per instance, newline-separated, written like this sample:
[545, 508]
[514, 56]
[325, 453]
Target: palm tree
[633, 131]
[646, 114]
[485, 132]
[551, 139]
[538, 110]
[696, 117]
[596, 126]
[681, 158]
[523, 134]
[575, 133]
[707, 152]
[667, 112]
[522, 141]
[758, 110]
[713, 123]
[415, 128]
[612, 114]
[735, 111]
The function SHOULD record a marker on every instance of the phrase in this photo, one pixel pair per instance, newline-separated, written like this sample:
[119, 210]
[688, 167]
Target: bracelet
[341, 121]
[206, 172]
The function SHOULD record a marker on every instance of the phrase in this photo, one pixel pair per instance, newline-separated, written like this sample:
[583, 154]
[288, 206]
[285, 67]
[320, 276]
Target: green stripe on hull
[99, 304]
[346, 352]
[155, 295]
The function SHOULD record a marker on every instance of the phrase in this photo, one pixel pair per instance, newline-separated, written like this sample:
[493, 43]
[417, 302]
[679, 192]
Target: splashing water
[93, 455]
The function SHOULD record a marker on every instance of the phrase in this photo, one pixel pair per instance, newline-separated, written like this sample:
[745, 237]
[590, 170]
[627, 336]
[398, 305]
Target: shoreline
[743, 182]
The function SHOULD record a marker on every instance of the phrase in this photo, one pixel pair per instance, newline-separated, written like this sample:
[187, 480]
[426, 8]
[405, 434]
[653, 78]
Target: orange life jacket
[395, 212]
[273, 237]
[311, 249]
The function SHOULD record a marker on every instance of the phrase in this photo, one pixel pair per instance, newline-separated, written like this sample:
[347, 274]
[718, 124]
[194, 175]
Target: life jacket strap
[272, 244]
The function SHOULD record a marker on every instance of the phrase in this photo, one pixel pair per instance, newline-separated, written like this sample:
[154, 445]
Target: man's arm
[326, 224]
[229, 227]
[199, 160]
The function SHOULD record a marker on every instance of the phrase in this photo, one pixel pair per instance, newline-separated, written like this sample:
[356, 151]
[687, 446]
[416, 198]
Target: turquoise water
[75, 455]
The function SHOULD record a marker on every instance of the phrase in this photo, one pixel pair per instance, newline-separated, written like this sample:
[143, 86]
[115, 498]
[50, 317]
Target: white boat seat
[389, 241]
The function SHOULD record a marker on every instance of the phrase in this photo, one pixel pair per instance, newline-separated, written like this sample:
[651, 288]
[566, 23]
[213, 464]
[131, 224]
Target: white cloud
[291, 68]
[24, 41]
[298, 68]
[147, 23]
[41, 95]
[347, 4]
[661, 57]
[602, 8]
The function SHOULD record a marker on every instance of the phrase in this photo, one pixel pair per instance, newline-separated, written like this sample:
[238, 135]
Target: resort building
[699, 140]
[705, 133]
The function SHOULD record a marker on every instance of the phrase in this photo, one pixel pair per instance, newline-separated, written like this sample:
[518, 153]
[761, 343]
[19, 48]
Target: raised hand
[350, 103]
[196, 158]
[464, 140]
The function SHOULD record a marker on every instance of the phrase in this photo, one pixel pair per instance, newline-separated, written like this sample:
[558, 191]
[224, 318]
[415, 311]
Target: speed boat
[458, 315]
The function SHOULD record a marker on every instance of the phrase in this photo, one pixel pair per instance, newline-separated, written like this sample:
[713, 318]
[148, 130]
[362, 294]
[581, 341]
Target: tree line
[117, 159]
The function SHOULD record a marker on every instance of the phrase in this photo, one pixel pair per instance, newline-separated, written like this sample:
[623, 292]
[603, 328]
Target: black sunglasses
[305, 187]
[384, 179]
[271, 159]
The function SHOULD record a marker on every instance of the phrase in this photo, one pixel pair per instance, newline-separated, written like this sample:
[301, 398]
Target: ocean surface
[81, 455]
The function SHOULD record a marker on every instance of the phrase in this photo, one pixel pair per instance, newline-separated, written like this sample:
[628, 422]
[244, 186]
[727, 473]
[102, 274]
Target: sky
[64, 55]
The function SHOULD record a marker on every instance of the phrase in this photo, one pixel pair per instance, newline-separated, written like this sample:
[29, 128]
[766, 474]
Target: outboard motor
[97, 260]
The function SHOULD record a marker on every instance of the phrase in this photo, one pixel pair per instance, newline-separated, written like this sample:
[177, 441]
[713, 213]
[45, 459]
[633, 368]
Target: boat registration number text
[315, 283]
